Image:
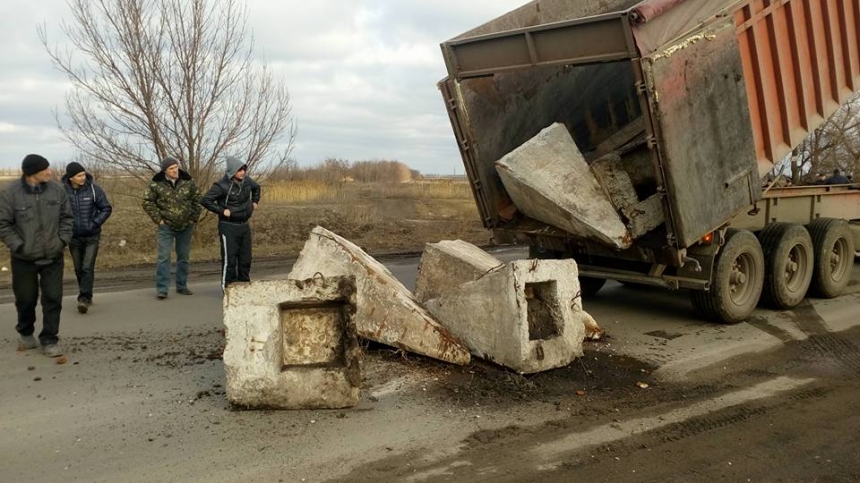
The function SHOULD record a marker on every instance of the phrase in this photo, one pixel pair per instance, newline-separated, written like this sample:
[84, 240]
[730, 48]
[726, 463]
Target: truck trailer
[689, 103]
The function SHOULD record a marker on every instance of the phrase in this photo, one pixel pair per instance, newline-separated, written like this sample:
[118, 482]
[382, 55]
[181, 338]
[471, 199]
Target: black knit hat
[168, 162]
[74, 168]
[33, 163]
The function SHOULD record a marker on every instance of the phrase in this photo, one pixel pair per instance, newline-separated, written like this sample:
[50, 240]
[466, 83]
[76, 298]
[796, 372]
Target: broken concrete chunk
[292, 344]
[386, 311]
[446, 265]
[548, 180]
[525, 315]
[644, 216]
[610, 172]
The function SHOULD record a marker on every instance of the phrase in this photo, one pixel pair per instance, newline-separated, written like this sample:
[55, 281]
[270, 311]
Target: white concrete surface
[386, 311]
[548, 180]
[292, 344]
[525, 315]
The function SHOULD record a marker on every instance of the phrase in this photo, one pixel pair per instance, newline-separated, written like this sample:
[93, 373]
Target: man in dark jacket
[91, 209]
[837, 178]
[172, 201]
[234, 198]
[36, 224]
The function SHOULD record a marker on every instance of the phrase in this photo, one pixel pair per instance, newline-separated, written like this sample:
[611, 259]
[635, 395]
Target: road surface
[142, 399]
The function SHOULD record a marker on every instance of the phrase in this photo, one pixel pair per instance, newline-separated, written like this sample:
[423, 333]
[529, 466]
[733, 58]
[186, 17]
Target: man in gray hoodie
[36, 224]
[234, 198]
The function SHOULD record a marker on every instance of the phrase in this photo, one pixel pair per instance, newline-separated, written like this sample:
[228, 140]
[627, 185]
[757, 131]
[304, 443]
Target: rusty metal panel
[595, 39]
[801, 62]
[697, 99]
[542, 12]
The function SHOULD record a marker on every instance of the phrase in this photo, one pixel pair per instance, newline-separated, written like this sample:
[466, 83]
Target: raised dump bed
[679, 107]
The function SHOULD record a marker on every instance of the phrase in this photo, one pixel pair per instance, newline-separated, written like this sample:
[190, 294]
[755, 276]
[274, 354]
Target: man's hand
[161, 222]
[255, 206]
[227, 213]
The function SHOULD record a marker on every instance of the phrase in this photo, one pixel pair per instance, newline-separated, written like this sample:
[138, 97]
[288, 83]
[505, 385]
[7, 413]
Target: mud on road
[142, 399]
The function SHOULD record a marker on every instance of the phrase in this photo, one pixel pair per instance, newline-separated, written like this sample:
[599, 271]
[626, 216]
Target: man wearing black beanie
[91, 209]
[36, 224]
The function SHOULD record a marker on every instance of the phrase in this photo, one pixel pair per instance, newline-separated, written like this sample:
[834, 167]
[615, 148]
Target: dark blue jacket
[89, 205]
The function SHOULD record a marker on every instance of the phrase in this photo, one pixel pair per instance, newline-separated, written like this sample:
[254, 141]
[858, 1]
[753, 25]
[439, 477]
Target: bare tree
[175, 78]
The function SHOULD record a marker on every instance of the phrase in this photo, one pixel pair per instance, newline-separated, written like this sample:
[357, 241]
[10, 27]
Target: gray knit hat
[168, 162]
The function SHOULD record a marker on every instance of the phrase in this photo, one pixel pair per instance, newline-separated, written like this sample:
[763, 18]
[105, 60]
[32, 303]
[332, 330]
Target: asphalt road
[141, 399]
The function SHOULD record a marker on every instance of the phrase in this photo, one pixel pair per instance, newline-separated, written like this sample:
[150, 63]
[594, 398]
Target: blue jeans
[167, 237]
[84, 251]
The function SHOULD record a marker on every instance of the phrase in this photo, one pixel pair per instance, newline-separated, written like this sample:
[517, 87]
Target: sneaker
[26, 342]
[162, 295]
[184, 291]
[83, 306]
[52, 350]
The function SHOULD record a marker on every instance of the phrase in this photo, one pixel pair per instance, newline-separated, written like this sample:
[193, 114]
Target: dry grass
[378, 217]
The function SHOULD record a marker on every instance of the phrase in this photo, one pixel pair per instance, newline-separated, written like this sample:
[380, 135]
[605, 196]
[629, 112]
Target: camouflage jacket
[176, 204]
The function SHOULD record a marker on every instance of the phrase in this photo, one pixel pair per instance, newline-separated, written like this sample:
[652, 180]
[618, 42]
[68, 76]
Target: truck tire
[737, 281]
[833, 244]
[788, 263]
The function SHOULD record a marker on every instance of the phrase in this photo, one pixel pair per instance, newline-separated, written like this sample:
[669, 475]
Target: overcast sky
[362, 75]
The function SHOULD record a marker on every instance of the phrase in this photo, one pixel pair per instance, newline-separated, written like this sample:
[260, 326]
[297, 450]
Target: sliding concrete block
[644, 216]
[446, 265]
[292, 344]
[548, 180]
[386, 311]
[526, 315]
[610, 173]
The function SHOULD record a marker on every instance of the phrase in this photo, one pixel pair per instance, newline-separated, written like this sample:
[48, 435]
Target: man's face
[240, 175]
[79, 179]
[172, 172]
[43, 176]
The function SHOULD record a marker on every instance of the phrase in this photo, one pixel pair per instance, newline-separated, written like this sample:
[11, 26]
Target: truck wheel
[833, 244]
[737, 280]
[788, 262]
[590, 286]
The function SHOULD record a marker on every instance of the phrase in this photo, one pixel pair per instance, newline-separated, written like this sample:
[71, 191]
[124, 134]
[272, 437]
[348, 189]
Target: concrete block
[548, 179]
[448, 264]
[644, 216]
[526, 315]
[386, 311]
[610, 173]
[292, 344]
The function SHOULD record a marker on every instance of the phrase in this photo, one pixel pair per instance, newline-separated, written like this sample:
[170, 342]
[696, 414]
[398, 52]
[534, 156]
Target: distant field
[378, 217]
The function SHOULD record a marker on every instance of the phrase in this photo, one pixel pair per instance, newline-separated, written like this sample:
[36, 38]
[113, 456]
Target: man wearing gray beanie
[172, 201]
[36, 224]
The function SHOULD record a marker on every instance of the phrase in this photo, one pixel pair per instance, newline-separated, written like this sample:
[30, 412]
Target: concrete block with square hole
[386, 311]
[526, 315]
[292, 344]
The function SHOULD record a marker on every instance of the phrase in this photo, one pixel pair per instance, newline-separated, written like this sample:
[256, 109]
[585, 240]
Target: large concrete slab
[386, 311]
[448, 264]
[526, 315]
[292, 344]
[548, 179]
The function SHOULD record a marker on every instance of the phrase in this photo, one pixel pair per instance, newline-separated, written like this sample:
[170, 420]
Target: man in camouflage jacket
[172, 201]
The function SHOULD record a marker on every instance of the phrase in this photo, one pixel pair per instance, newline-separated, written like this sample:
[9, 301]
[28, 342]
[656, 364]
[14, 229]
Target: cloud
[362, 76]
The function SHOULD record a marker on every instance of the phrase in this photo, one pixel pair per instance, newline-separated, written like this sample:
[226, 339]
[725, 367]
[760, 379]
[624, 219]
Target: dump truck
[671, 111]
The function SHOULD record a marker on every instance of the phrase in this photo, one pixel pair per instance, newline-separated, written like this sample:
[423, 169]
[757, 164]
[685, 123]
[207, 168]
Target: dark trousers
[235, 252]
[84, 251]
[27, 279]
[167, 238]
